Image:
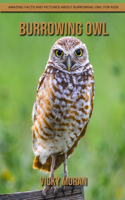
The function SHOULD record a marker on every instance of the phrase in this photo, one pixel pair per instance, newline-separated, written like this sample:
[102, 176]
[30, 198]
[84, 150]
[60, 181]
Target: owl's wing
[34, 112]
[85, 127]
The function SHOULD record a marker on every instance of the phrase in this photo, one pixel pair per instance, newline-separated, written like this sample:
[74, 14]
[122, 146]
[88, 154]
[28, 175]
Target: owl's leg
[65, 166]
[52, 173]
[47, 187]
[65, 171]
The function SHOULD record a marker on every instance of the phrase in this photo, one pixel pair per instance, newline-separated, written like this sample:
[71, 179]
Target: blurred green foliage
[100, 156]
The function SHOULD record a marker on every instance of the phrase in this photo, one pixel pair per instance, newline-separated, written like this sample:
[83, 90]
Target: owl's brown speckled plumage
[63, 104]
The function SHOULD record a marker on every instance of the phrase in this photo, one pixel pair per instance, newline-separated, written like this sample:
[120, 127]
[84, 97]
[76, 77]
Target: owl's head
[69, 54]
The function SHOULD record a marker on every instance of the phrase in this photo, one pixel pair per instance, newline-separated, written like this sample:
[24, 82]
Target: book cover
[27, 33]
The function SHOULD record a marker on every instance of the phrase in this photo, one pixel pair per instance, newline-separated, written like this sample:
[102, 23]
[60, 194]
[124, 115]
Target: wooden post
[77, 194]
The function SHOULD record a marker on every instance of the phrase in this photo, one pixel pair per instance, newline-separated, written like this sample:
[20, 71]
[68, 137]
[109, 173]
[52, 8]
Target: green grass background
[100, 156]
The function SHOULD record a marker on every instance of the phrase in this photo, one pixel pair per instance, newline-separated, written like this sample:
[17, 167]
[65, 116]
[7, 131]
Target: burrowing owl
[63, 105]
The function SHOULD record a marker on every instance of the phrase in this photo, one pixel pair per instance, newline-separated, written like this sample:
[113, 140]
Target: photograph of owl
[63, 105]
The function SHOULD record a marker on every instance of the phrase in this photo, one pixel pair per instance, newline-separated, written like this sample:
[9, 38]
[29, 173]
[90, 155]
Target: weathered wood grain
[78, 193]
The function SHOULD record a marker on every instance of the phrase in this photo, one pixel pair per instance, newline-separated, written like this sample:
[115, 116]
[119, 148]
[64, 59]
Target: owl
[63, 105]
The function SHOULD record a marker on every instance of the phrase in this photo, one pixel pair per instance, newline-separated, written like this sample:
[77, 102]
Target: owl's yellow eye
[59, 53]
[79, 52]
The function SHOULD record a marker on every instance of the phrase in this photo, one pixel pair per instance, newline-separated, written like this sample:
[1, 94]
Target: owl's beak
[68, 63]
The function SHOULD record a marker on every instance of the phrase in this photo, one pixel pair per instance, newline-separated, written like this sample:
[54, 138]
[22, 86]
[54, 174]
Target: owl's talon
[55, 195]
[47, 187]
[63, 189]
[44, 196]
[55, 190]
[73, 186]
